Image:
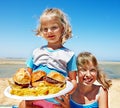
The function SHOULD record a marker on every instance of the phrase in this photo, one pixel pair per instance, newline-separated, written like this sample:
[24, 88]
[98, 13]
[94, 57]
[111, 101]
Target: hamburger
[22, 78]
[42, 83]
[55, 79]
[37, 78]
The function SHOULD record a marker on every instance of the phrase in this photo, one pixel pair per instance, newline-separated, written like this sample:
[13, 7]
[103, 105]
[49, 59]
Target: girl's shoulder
[99, 87]
[101, 92]
[102, 89]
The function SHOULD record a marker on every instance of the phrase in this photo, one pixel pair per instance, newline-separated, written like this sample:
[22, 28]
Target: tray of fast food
[39, 86]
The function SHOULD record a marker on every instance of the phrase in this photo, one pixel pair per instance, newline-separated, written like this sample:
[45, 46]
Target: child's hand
[64, 101]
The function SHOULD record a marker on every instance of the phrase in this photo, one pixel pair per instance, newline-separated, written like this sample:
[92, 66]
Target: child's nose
[88, 73]
[49, 30]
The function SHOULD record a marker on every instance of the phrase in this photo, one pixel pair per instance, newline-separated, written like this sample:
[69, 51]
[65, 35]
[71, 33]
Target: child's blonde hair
[63, 21]
[85, 58]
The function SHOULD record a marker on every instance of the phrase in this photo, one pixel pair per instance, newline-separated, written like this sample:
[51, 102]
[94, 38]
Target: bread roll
[22, 76]
[37, 77]
[55, 79]
[56, 76]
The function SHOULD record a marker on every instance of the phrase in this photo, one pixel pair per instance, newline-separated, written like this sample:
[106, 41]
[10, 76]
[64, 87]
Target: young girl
[88, 94]
[54, 27]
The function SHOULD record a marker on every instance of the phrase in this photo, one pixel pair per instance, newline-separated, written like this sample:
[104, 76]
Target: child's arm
[72, 78]
[72, 68]
[103, 99]
[72, 75]
[30, 65]
[29, 70]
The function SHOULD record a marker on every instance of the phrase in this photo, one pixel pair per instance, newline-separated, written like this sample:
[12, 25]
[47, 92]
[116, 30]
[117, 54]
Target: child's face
[87, 74]
[52, 29]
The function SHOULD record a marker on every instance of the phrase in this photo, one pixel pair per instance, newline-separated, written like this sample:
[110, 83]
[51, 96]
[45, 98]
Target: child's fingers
[67, 79]
[64, 100]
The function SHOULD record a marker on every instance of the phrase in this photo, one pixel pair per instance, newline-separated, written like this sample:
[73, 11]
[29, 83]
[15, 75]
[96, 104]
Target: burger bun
[38, 77]
[22, 77]
[55, 79]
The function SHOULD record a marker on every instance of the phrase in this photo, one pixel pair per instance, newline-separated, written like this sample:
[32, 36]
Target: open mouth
[88, 80]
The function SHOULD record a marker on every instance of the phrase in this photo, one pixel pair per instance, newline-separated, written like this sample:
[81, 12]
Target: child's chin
[88, 83]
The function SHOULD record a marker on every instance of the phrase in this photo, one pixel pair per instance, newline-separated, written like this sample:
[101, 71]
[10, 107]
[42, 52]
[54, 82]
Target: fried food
[42, 84]
[41, 90]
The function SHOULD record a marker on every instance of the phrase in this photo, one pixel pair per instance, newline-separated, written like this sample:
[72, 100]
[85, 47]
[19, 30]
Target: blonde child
[88, 94]
[55, 28]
